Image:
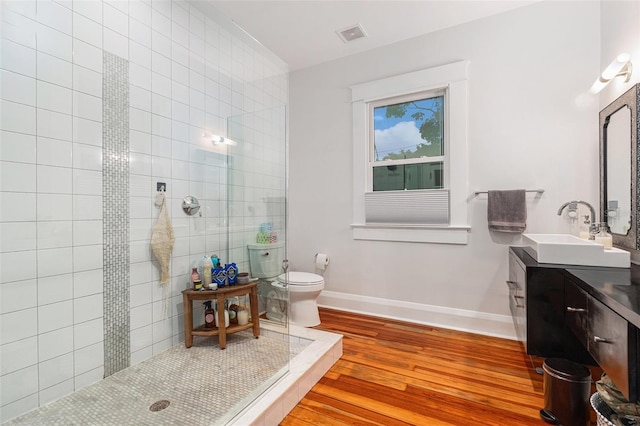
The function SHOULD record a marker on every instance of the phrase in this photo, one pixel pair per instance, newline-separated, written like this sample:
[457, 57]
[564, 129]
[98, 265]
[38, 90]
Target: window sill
[411, 233]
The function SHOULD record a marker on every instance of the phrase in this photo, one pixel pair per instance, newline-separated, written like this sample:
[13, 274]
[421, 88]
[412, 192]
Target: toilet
[265, 262]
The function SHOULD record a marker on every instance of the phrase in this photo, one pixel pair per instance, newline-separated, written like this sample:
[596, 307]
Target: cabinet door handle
[512, 284]
[572, 309]
[598, 339]
[515, 301]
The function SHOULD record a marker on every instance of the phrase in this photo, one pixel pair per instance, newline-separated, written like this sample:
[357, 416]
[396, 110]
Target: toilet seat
[301, 279]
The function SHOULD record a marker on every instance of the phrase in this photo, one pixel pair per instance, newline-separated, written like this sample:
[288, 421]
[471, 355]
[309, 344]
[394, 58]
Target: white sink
[570, 250]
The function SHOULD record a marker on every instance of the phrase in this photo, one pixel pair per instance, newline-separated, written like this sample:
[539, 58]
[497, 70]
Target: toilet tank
[265, 260]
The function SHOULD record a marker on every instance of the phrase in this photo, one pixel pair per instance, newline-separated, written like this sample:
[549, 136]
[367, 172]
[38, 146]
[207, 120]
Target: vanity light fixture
[620, 67]
[220, 140]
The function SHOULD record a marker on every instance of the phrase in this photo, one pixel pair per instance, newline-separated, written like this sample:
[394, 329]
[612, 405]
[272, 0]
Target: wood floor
[398, 373]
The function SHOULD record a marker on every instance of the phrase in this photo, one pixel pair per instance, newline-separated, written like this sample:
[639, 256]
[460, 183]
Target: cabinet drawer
[576, 311]
[608, 343]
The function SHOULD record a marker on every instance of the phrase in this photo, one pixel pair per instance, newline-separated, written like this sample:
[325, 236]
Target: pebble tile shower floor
[201, 383]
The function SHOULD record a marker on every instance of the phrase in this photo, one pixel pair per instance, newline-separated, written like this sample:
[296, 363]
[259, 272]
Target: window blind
[418, 207]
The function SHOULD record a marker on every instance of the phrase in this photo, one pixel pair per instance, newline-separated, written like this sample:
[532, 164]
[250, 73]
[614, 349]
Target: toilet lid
[301, 278]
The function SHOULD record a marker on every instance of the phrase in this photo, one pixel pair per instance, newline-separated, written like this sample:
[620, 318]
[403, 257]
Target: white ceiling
[303, 32]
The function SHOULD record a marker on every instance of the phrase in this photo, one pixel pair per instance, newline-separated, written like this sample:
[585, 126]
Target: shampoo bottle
[209, 315]
[206, 271]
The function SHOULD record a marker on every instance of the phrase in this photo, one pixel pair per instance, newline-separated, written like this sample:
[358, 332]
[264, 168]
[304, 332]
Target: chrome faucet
[593, 226]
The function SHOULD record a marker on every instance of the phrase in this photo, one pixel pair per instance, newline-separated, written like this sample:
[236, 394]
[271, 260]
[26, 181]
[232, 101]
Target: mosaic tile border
[115, 195]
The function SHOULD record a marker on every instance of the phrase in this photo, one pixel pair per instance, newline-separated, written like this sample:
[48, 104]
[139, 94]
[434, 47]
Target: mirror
[618, 168]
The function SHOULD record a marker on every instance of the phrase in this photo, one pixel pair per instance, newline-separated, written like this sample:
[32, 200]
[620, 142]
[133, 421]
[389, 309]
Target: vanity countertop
[619, 289]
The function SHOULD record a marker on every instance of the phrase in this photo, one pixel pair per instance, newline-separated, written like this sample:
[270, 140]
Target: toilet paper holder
[321, 261]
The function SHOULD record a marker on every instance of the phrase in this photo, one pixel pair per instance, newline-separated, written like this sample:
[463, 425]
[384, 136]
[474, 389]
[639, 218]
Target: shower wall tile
[87, 106]
[55, 371]
[87, 258]
[87, 131]
[55, 289]
[87, 81]
[18, 385]
[54, 15]
[115, 43]
[17, 177]
[86, 283]
[54, 152]
[17, 147]
[18, 325]
[18, 295]
[88, 308]
[140, 295]
[18, 355]
[54, 180]
[87, 182]
[87, 333]
[17, 88]
[54, 125]
[56, 391]
[87, 157]
[55, 234]
[87, 30]
[87, 232]
[88, 358]
[54, 207]
[54, 42]
[55, 343]
[17, 117]
[87, 55]
[17, 58]
[55, 261]
[54, 70]
[8, 212]
[88, 378]
[140, 33]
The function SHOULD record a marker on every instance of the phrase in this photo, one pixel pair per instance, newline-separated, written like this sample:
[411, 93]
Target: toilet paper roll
[322, 260]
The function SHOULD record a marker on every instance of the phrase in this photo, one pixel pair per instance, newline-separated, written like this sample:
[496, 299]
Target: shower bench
[220, 295]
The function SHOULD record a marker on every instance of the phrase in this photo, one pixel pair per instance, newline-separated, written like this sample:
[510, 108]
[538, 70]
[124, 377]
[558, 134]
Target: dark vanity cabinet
[608, 337]
[536, 301]
[584, 314]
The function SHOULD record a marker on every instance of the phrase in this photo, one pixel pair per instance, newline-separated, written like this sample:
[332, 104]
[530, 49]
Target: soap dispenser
[604, 237]
[584, 228]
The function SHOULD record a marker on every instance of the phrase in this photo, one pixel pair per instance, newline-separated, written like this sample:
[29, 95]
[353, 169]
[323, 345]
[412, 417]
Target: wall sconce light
[219, 140]
[620, 67]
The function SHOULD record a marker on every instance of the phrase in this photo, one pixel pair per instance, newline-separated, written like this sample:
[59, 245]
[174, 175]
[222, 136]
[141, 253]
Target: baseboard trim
[452, 318]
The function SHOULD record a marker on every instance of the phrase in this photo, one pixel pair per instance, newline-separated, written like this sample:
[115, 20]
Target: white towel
[162, 241]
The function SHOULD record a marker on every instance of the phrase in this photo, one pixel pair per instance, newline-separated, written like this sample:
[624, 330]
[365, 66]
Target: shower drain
[159, 405]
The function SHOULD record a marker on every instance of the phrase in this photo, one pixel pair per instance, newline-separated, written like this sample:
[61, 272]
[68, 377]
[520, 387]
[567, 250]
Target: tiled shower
[100, 100]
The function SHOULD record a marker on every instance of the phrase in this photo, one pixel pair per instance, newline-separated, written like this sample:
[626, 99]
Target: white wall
[188, 73]
[531, 125]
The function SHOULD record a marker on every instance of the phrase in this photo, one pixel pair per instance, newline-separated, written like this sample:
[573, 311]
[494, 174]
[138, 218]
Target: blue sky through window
[393, 135]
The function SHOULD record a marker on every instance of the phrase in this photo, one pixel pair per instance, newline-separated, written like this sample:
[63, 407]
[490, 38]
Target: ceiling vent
[351, 33]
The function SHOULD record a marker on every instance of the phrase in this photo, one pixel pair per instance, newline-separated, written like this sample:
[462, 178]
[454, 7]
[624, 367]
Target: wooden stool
[220, 295]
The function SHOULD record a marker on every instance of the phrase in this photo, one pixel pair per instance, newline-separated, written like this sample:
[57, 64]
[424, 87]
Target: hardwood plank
[398, 373]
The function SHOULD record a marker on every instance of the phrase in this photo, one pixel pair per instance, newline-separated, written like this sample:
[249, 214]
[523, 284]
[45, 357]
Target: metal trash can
[567, 387]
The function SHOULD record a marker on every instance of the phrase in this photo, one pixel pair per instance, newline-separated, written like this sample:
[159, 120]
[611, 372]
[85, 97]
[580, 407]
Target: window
[410, 157]
[407, 134]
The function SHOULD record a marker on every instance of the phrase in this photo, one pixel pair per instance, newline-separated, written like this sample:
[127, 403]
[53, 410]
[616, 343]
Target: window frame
[453, 79]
